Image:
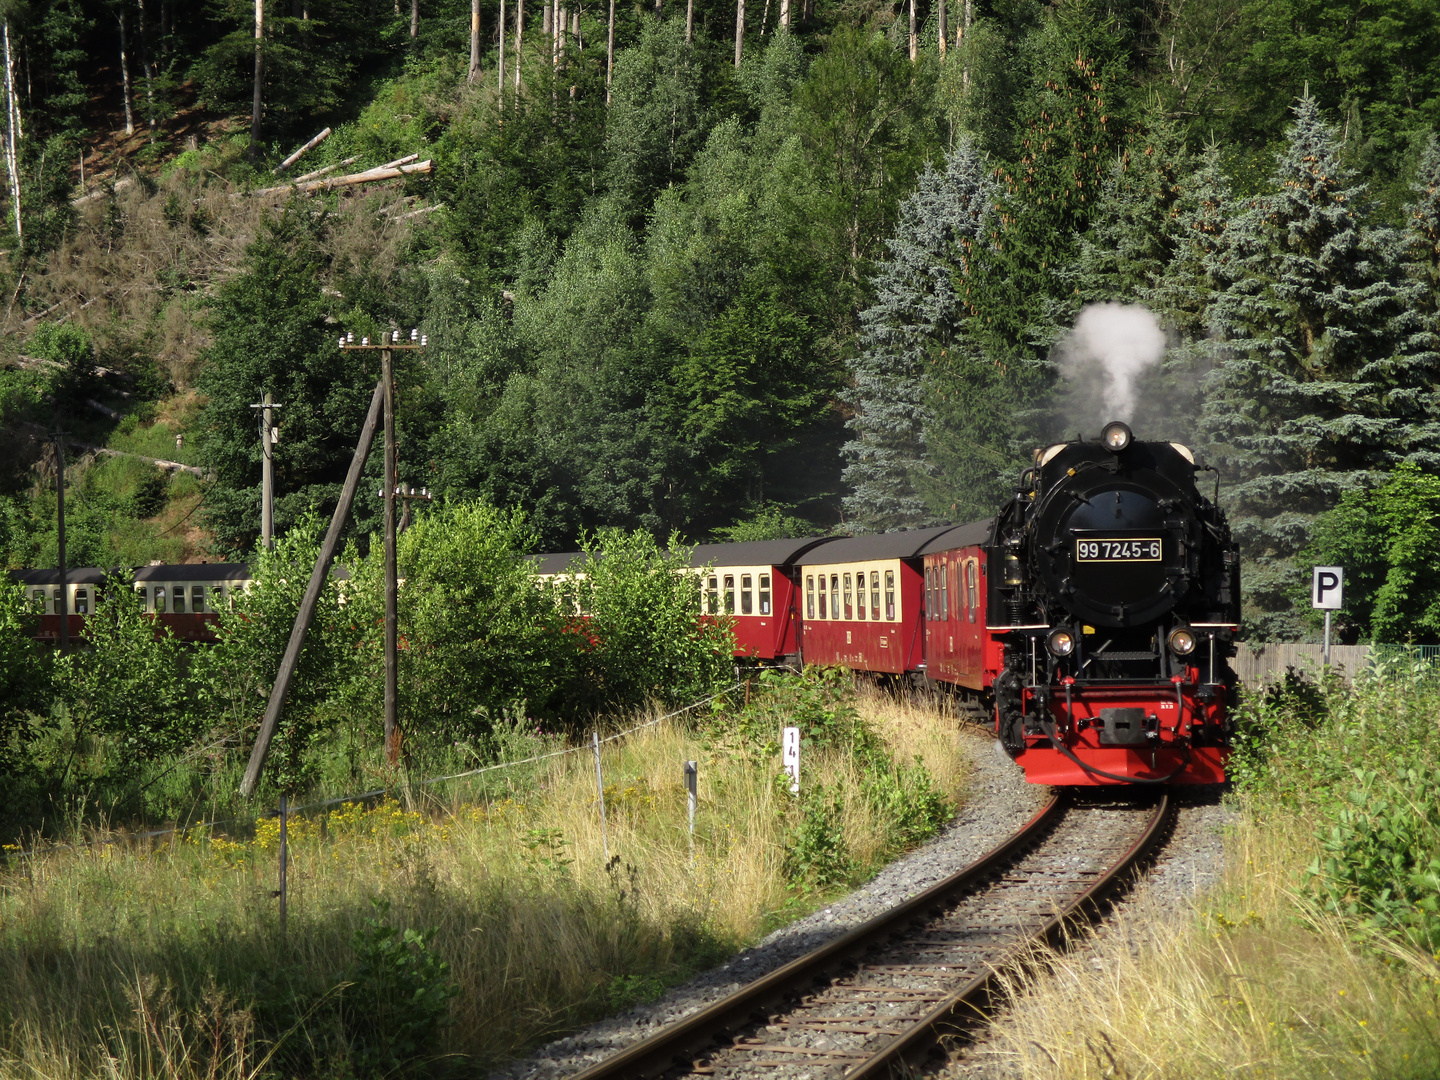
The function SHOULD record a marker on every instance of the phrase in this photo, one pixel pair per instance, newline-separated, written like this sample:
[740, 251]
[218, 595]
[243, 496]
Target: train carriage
[754, 582]
[82, 589]
[958, 651]
[863, 601]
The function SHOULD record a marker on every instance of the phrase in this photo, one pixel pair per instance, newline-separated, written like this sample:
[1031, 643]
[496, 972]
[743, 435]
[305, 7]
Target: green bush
[1381, 854]
[815, 851]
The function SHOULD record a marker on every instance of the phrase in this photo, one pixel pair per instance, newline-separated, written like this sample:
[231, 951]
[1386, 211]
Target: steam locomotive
[1114, 608]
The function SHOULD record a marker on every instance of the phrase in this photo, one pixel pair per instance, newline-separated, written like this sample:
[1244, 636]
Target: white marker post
[790, 756]
[1327, 594]
[692, 784]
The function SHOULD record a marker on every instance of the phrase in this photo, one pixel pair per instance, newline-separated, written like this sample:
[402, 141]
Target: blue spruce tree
[1324, 381]
[914, 316]
[1423, 233]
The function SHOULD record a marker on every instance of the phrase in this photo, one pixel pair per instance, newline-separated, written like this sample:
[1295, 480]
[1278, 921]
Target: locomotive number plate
[1145, 549]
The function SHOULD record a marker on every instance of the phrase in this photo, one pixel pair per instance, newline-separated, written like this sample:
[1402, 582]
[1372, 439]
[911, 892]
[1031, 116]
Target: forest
[723, 271]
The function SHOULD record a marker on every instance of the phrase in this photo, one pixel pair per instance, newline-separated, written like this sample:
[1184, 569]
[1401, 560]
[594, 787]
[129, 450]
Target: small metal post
[600, 786]
[266, 408]
[1327, 637]
[692, 777]
[284, 855]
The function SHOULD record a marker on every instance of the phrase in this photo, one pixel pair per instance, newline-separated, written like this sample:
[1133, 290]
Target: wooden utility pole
[392, 582]
[306, 613]
[267, 471]
[259, 78]
[63, 605]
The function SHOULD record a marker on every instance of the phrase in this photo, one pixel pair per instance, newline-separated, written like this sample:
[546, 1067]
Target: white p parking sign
[1327, 588]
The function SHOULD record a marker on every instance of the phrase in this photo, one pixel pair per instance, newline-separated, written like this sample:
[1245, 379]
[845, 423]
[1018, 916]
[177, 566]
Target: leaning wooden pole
[312, 596]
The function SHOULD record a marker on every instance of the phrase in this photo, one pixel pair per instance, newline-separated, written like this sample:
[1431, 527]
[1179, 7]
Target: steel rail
[676, 1044]
[970, 1001]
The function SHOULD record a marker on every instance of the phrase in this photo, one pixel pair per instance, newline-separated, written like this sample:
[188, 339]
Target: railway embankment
[1316, 950]
[423, 936]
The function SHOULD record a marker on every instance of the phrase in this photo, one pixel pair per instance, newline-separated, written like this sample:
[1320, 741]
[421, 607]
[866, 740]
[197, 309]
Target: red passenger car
[958, 650]
[864, 601]
[754, 582]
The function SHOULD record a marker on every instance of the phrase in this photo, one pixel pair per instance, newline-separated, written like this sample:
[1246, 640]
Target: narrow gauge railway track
[861, 1004]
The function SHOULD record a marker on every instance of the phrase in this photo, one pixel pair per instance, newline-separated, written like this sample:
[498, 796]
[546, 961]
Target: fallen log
[326, 169]
[298, 154]
[390, 171]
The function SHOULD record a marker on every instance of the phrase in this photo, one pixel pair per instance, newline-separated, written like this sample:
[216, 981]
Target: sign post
[1327, 594]
[692, 781]
[790, 756]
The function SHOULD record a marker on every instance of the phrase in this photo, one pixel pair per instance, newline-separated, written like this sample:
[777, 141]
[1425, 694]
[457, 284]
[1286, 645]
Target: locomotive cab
[1114, 589]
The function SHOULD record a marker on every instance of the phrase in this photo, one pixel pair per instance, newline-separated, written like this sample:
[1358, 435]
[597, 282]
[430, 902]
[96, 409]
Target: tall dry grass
[171, 961]
[1255, 979]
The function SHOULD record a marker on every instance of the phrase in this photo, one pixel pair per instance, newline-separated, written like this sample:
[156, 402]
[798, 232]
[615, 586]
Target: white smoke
[1111, 346]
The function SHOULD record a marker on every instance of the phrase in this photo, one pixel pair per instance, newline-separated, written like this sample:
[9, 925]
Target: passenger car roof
[757, 552]
[907, 544]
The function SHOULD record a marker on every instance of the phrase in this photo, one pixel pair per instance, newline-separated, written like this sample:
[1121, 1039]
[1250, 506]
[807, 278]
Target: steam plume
[1113, 343]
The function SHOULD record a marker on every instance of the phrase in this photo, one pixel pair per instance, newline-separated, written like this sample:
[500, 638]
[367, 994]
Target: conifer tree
[1423, 233]
[915, 313]
[1324, 382]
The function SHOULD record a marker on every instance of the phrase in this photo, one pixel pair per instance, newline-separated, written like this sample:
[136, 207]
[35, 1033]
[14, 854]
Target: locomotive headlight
[1060, 642]
[1182, 641]
[1014, 571]
[1116, 436]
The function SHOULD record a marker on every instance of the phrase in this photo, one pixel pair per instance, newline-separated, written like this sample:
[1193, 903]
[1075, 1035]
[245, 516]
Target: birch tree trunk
[259, 77]
[914, 37]
[764, 17]
[739, 30]
[414, 19]
[500, 79]
[960, 42]
[12, 127]
[147, 68]
[610, 52]
[519, 38]
[941, 34]
[125, 77]
[475, 40]
[689, 20]
[785, 14]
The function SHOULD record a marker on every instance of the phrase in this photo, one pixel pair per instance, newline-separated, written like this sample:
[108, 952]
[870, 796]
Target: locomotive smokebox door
[1122, 727]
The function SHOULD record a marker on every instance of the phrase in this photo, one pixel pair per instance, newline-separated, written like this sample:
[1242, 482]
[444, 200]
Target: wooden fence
[1260, 664]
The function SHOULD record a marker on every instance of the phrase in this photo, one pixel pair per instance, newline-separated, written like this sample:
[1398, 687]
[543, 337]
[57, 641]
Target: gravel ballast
[997, 803]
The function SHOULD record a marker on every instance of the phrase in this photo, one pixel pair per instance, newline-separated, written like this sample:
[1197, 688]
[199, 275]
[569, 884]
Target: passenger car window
[849, 597]
[712, 596]
[179, 599]
[890, 595]
[217, 597]
[197, 598]
[747, 594]
[39, 597]
[834, 596]
[159, 600]
[764, 594]
[810, 596]
[860, 594]
[822, 596]
[971, 569]
[729, 594]
[945, 590]
[874, 594]
[82, 601]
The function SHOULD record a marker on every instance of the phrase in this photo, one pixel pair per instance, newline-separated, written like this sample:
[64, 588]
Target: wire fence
[587, 746]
